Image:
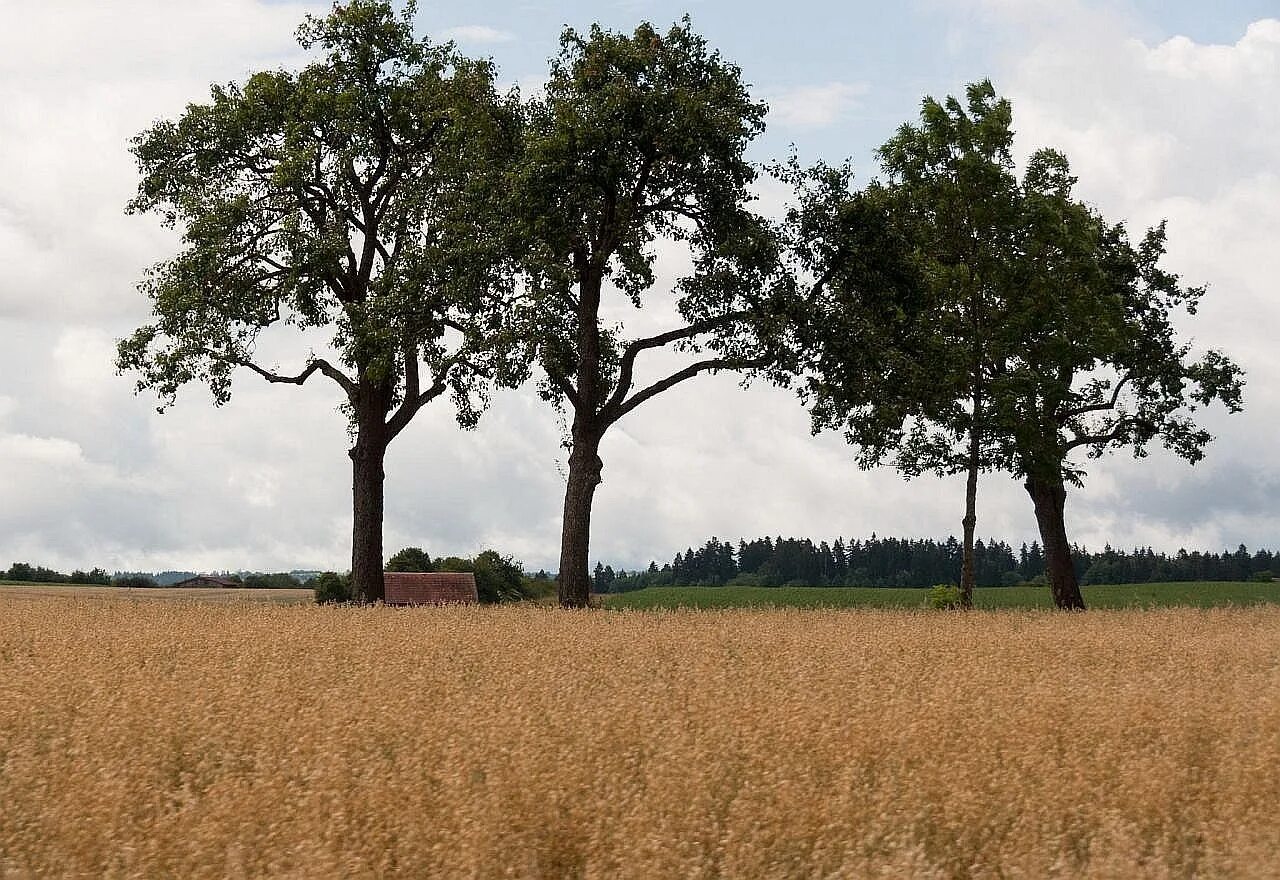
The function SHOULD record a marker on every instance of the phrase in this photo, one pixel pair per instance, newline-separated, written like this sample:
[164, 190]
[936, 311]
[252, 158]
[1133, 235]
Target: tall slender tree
[354, 195]
[639, 139]
[949, 199]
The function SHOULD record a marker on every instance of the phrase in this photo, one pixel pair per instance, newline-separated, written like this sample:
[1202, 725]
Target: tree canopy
[354, 196]
[410, 559]
[1039, 328]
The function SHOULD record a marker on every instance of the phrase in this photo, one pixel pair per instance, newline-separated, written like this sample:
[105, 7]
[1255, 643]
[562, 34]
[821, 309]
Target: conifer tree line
[908, 562]
[957, 314]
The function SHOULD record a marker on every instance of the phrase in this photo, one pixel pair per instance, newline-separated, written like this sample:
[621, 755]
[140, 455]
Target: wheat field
[145, 739]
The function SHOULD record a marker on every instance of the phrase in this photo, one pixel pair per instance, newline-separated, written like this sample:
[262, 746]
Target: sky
[1166, 110]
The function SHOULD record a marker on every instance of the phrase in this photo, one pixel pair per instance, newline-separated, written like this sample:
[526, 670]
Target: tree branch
[414, 398]
[613, 413]
[1121, 425]
[562, 385]
[626, 366]
[411, 404]
[317, 365]
[1099, 407]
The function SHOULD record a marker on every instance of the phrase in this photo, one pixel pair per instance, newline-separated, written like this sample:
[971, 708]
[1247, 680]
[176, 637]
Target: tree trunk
[575, 537]
[368, 484]
[970, 522]
[1049, 497]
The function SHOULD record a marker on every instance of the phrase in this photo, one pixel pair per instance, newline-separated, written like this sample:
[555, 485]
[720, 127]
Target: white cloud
[813, 106]
[78, 79]
[1250, 60]
[477, 33]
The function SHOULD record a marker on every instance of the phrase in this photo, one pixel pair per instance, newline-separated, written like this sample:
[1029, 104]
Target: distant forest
[906, 562]
[26, 572]
[776, 562]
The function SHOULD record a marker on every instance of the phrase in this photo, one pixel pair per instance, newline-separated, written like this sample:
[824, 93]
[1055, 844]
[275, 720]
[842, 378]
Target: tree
[952, 187]
[639, 138]
[410, 559]
[354, 195]
[453, 563]
[1098, 365]
[1042, 330]
[901, 340]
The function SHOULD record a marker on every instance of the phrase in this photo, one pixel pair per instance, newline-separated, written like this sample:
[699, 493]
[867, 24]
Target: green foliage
[134, 580]
[354, 195]
[96, 576]
[943, 597]
[332, 588]
[1036, 325]
[410, 559]
[498, 578]
[639, 138]
[538, 586]
[23, 571]
[453, 563]
[276, 581]
[947, 212]
[1262, 577]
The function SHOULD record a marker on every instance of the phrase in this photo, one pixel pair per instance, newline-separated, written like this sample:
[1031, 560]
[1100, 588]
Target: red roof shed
[430, 588]
[208, 580]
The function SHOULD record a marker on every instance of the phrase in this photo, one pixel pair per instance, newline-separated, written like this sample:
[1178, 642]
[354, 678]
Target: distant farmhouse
[208, 580]
[430, 588]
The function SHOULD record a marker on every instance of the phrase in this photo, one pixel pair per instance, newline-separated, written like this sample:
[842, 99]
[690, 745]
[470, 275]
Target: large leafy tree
[353, 195]
[639, 139]
[1099, 365]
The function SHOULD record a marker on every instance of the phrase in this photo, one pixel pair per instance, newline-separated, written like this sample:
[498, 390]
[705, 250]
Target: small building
[429, 588]
[208, 580]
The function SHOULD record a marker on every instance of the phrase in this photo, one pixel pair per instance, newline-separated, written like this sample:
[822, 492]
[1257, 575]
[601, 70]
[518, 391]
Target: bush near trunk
[332, 588]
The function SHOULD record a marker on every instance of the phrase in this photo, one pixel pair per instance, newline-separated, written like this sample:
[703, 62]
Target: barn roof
[207, 580]
[430, 587]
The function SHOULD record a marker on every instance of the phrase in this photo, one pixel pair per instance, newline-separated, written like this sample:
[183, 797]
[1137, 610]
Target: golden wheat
[183, 740]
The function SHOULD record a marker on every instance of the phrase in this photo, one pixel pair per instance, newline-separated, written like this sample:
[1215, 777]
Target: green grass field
[1196, 594]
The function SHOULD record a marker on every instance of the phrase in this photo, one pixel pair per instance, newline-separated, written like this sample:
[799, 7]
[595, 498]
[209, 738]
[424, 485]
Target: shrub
[498, 578]
[332, 588]
[945, 597]
[1262, 577]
